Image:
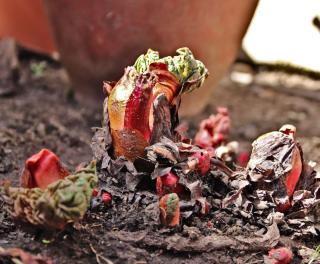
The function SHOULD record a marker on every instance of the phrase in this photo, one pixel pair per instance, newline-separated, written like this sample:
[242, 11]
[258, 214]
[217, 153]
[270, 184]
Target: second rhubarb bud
[276, 158]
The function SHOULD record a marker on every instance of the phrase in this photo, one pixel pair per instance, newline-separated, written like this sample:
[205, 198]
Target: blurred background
[263, 57]
[95, 41]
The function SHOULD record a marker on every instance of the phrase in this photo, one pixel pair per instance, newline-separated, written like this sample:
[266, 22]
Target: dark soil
[42, 113]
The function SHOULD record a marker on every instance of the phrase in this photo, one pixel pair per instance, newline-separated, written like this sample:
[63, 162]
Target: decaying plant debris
[183, 197]
[18, 256]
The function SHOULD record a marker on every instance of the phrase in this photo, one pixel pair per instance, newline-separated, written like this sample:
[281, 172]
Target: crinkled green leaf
[144, 60]
[190, 72]
[62, 202]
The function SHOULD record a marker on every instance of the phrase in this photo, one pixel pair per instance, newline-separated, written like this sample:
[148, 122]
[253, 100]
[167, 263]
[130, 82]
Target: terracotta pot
[98, 38]
[27, 22]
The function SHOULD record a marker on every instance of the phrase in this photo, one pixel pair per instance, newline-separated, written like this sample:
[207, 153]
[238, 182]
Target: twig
[99, 256]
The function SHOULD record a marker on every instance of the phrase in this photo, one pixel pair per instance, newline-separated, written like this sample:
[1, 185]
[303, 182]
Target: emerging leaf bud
[168, 183]
[170, 210]
[42, 169]
[281, 255]
[133, 101]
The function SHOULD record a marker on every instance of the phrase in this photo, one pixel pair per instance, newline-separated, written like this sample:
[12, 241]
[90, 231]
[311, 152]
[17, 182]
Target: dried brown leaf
[17, 254]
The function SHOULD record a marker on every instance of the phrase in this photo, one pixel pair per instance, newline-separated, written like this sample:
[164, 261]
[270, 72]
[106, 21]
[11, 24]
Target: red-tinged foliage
[292, 179]
[168, 183]
[203, 162]
[214, 130]
[130, 108]
[106, 198]
[282, 208]
[243, 159]
[294, 175]
[281, 255]
[95, 192]
[289, 130]
[209, 224]
[42, 169]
